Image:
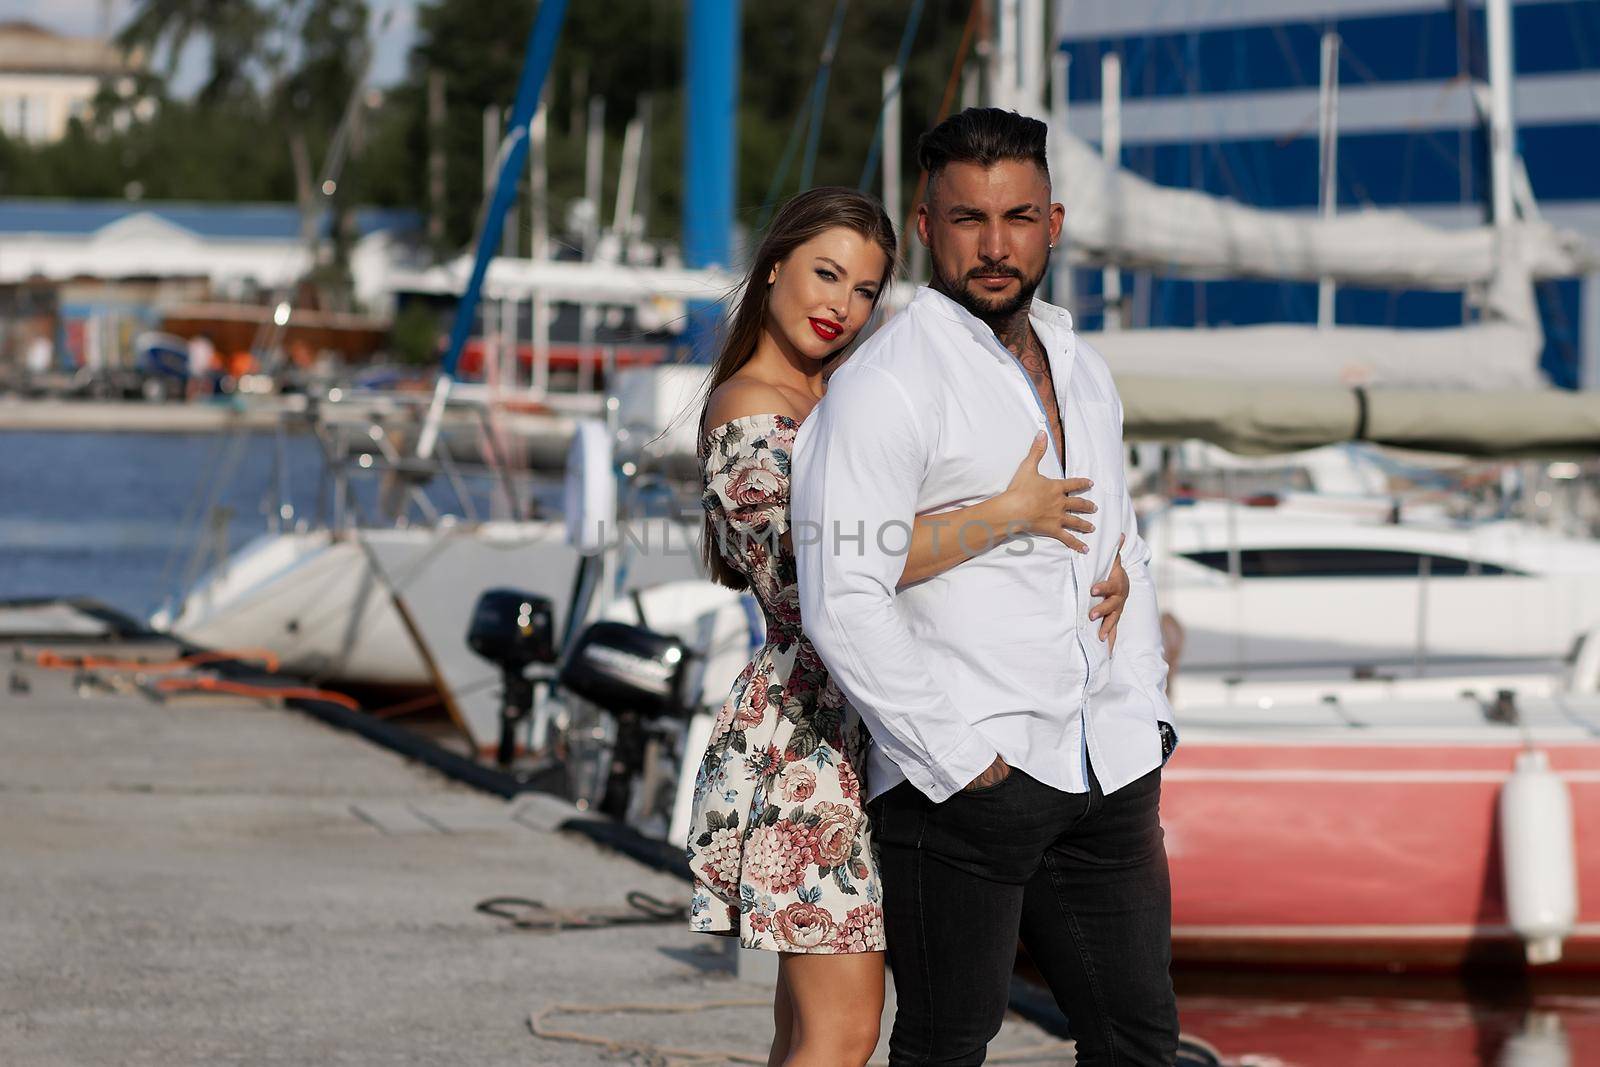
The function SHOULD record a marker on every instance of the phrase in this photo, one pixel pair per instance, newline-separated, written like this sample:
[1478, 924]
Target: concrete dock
[207, 880]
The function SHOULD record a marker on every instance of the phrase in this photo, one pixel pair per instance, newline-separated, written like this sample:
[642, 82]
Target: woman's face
[824, 292]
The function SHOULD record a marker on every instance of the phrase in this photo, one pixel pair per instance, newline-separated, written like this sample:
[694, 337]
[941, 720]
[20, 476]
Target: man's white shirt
[997, 654]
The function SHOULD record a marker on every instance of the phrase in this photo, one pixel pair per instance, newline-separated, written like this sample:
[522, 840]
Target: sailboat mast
[710, 163]
[890, 125]
[1031, 68]
[1328, 160]
[1003, 69]
[1502, 126]
[1111, 149]
[539, 251]
[1060, 73]
[536, 64]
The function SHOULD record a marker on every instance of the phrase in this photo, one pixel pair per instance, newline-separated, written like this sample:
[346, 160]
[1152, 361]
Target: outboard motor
[637, 675]
[512, 630]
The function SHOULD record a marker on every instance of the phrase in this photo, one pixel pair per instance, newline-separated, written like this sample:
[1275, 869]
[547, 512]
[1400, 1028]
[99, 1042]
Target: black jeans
[1081, 877]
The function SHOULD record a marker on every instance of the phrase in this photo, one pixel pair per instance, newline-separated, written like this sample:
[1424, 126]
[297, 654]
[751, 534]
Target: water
[1490, 1020]
[100, 516]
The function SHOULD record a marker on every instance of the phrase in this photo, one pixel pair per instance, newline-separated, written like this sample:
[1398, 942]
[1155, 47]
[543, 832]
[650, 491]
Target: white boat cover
[1488, 356]
[1119, 217]
[1257, 418]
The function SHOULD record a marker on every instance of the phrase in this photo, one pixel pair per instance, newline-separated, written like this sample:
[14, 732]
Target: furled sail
[1118, 217]
[1257, 418]
[1485, 356]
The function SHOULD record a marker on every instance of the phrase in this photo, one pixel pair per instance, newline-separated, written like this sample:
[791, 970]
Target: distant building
[1223, 97]
[47, 79]
[238, 250]
[106, 268]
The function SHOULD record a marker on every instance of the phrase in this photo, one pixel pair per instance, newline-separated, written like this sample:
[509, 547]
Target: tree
[477, 47]
[628, 50]
[238, 33]
[281, 74]
[312, 102]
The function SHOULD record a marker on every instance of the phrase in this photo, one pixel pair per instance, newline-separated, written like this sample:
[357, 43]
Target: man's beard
[987, 308]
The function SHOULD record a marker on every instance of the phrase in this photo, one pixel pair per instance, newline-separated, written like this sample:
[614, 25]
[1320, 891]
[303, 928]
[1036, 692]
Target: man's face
[989, 232]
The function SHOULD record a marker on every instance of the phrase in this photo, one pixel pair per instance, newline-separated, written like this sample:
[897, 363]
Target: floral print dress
[779, 844]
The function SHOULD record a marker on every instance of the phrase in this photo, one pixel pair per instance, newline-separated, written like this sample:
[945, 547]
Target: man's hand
[997, 772]
[1115, 591]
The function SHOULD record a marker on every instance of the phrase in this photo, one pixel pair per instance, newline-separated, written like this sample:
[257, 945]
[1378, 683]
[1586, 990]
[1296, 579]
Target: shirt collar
[1052, 324]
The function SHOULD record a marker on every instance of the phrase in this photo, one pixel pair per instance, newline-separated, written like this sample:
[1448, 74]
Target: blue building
[1222, 95]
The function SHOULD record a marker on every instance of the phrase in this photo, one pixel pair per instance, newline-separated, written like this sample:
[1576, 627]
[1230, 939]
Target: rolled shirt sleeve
[858, 473]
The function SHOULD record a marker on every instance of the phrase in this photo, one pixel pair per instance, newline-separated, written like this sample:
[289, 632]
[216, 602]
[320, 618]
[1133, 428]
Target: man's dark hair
[985, 136]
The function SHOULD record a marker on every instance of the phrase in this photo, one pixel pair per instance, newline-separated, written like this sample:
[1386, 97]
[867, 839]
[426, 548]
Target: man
[1015, 771]
[202, 360]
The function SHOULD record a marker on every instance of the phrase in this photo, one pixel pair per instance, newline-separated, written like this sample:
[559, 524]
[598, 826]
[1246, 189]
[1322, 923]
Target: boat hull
[392, 607]
[1361, 854]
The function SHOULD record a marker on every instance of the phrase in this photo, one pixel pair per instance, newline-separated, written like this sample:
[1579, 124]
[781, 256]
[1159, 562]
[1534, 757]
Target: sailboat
[1328, 805]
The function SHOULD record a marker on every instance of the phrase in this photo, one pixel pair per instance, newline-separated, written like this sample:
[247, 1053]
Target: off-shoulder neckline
[719, 427]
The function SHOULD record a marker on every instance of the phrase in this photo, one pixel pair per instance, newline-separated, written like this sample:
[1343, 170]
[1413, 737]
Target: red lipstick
[826, 329]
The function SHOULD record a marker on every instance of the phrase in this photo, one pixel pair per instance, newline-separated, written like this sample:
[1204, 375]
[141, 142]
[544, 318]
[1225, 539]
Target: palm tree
[251, 45]
[241, 35]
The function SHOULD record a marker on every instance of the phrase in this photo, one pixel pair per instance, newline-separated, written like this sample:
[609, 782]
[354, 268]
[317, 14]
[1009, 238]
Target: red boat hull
[1358, 855]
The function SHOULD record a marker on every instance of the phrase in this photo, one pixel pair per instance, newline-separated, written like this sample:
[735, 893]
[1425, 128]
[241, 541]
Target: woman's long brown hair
[805, 216]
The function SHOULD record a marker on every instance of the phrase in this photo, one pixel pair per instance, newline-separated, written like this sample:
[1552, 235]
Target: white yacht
[1309, 581]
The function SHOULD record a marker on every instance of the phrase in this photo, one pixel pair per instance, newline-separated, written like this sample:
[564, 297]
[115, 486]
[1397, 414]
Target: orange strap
[268, 692]
[56, 661]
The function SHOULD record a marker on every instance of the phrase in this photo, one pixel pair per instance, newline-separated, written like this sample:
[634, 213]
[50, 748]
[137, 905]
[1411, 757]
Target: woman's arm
[948, 539]
[1032, 503]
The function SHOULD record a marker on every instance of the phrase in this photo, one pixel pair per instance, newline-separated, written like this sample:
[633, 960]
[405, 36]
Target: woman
[779, 846]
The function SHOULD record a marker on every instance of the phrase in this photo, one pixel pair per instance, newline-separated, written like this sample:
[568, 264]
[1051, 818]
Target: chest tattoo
[1037, 365]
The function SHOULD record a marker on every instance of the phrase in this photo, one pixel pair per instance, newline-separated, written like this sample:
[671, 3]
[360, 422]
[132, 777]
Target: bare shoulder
[739, 397]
